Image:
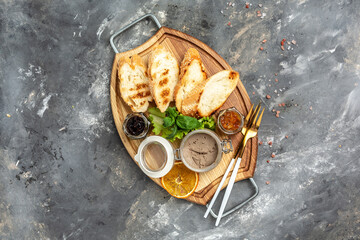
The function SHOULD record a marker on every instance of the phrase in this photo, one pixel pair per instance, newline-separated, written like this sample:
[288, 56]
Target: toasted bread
[190, 103]
[216, 90]
[192, 72]
[134, 83]
[164, 74]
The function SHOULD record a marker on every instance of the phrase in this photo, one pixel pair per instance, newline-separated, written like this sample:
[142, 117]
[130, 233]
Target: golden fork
[251, 127]
[249, 118]
[249, 130]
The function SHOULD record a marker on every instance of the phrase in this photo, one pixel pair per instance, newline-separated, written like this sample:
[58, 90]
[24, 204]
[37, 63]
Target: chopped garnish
[8, 115]
[273, 155]
[268, 96]
[270, 143]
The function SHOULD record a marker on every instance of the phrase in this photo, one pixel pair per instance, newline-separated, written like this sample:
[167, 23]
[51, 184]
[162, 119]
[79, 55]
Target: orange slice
[180, 182]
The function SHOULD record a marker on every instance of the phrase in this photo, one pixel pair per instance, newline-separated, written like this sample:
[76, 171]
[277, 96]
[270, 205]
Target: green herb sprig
[172, 125]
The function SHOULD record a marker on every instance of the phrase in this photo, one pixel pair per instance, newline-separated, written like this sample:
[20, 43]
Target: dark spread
[135, 125]
[200, 150]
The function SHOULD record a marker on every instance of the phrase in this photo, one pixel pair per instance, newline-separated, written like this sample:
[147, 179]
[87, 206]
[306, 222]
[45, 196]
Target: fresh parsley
[172, 125]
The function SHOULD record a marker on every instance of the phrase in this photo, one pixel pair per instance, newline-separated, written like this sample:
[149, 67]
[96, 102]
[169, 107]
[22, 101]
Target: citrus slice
[180, 182]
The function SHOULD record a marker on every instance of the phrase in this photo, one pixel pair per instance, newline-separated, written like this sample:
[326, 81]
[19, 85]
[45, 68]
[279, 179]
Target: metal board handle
[241, 204]
[130, 25]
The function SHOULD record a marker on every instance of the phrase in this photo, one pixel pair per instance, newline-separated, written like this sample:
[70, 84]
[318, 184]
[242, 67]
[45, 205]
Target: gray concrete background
[64, 173]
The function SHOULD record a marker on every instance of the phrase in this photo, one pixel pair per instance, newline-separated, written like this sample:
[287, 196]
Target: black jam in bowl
[135, 125]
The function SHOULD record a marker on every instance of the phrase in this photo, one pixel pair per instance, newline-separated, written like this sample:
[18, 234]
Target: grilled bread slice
[216, 90]
[164, 74]
[190, 103]
[192, 72]
[134, 83]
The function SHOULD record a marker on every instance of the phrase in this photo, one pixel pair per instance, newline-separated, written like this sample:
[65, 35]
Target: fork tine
[249, 114]
[254, 115]
[247, 120]
[259, 120]
[253, 121]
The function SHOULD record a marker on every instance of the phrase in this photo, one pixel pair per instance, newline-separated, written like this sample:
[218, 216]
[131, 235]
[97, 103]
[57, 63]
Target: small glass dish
[234, 113]
[133, 124]
[222, 146]
[156, 155]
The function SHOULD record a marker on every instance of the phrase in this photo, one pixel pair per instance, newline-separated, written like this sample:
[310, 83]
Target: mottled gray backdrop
[64, 173]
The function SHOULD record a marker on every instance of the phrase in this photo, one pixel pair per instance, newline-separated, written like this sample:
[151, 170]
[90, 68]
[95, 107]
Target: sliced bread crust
[134, 83]
[164, 74]
[192, 73]
[216, 91]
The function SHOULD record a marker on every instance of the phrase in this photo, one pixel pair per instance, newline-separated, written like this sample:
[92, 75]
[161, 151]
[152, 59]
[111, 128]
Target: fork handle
[228, 191]
[219, 187]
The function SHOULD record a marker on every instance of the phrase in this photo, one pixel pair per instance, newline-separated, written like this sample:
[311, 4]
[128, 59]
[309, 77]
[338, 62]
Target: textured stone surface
[64, 173]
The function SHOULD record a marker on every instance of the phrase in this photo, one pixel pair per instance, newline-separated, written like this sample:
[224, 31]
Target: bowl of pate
[202, 150]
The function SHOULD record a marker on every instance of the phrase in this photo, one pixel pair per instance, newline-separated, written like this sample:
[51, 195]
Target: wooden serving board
[178, 43]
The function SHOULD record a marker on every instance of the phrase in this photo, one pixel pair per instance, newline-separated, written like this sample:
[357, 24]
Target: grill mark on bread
[165, 93]
[140, 86]
[165, 72]
[163, 82]
[141, 95]
[166, 101]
